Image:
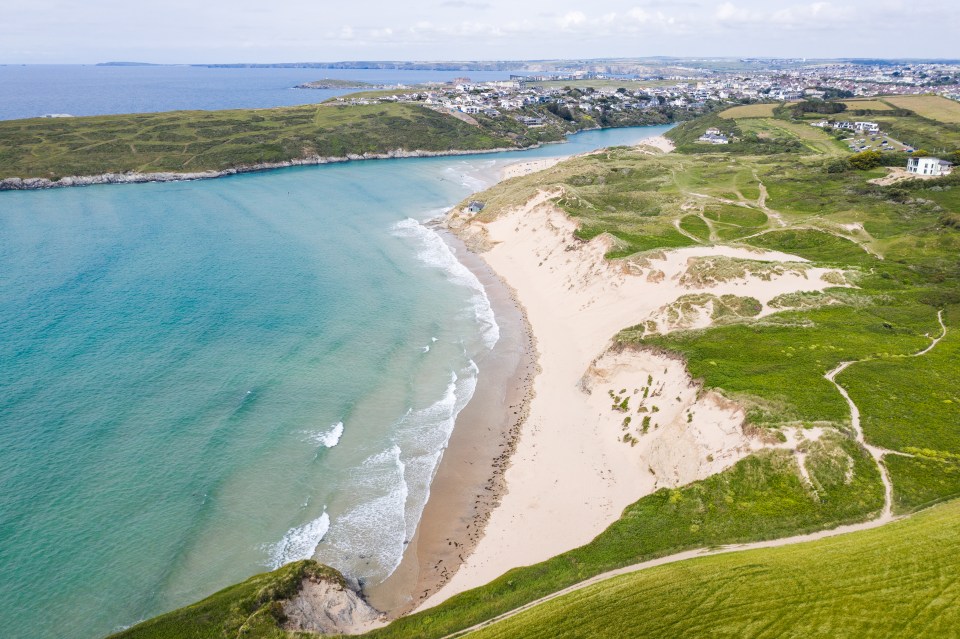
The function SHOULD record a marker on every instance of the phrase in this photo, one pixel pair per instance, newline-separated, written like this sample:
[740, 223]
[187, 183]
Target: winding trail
[886, 515]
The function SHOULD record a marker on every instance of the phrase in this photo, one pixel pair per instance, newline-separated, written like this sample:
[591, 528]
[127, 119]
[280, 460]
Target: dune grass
[894, 581]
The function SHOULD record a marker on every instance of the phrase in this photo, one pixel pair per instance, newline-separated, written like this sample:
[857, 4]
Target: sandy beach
[573, 463]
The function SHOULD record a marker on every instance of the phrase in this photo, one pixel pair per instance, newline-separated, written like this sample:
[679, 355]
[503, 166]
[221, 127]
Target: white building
[929, 166]
[869, 127]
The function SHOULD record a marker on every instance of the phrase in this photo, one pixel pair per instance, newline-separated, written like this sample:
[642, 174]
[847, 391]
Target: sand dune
[574, 470]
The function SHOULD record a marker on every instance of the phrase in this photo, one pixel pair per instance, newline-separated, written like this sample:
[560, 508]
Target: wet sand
[470, 478]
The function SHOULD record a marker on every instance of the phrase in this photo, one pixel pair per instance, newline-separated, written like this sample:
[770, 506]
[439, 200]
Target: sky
[216, 31]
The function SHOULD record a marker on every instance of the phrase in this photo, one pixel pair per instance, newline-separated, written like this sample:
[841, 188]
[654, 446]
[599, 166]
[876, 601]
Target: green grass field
[810, 137]
[912, 404]
[896, 581]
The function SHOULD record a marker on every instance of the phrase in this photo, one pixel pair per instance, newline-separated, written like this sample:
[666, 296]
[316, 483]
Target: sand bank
[660, 143]
[527, 167]
[573, 470]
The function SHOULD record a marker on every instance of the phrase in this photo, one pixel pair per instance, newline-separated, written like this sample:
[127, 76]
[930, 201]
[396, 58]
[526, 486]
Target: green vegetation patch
[923, 479]
[775, 366]
[187, 141]
[694, 225]
[894, 581]
[911, 402]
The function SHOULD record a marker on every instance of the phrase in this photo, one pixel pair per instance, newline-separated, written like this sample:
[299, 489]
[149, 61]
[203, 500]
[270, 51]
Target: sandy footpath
[579, 461]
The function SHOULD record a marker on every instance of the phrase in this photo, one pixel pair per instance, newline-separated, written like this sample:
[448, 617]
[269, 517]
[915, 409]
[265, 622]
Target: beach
[572, 470]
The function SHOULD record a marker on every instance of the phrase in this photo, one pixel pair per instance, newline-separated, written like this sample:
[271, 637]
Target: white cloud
[816, 14]
[52, 31]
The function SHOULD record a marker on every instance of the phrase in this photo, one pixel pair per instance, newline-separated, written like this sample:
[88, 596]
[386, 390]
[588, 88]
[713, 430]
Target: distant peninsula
[332, 83]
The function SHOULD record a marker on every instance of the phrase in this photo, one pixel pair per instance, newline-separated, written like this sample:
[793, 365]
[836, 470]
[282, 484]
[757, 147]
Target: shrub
[866, 160]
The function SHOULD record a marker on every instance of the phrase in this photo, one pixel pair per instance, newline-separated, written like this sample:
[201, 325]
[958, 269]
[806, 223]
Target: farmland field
[867, 105]
[749, 111]
[929, 106]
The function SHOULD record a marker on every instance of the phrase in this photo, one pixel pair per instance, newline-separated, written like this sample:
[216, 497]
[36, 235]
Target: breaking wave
[299, 543]
[434, 252]
[329, 438]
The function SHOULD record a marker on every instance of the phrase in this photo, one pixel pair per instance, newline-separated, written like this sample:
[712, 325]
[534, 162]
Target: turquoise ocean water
[203, 380]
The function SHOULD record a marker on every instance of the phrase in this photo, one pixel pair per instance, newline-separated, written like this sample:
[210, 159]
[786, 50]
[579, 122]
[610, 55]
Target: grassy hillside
[895, 581]
[187, 141]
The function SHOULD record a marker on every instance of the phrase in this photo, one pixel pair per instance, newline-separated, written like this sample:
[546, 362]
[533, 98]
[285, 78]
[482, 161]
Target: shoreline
[34, 184]
[470, 479]
[465, 491]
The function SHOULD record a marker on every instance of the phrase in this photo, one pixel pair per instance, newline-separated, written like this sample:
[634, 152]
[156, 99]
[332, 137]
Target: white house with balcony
[929, 166]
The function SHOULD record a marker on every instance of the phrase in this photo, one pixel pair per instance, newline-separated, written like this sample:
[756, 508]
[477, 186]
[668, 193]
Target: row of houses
[863, 127]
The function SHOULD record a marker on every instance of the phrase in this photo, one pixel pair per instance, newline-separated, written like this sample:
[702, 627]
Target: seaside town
[693, 89]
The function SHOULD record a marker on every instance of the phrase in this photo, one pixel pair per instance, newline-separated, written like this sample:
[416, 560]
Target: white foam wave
[330, 437]
[424, 434]
[390, 488]
[299, 543]
[371, 536]
[436, 253]
[425, 349]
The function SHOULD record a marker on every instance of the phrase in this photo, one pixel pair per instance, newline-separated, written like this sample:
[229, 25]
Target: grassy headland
[199, 141]
[194, 141]
[248, 609]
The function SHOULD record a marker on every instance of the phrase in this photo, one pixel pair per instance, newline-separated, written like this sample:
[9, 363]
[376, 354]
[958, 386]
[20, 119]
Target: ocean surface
[30, 91]
[204, 380]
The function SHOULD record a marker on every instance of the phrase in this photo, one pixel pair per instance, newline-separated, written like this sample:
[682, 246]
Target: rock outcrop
[330, 608]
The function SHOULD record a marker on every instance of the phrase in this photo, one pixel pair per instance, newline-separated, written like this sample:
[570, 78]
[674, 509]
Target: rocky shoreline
[132, 177]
